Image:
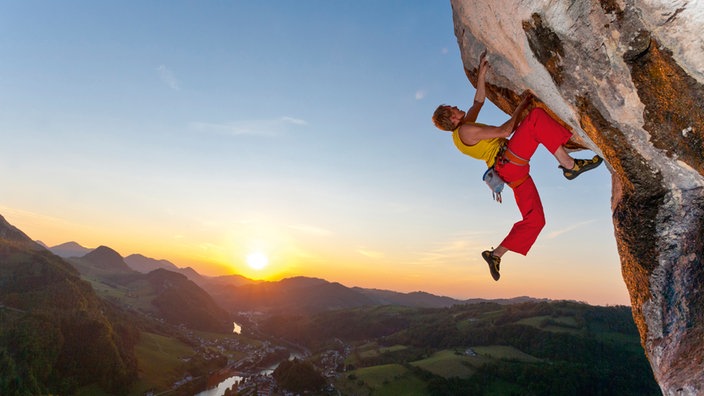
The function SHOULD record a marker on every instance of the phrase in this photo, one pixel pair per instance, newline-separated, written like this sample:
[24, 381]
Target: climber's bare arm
[516, 116]
[471, 134]
[480, 95]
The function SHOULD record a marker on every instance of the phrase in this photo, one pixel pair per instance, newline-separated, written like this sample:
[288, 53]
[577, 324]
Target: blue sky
[200, 132]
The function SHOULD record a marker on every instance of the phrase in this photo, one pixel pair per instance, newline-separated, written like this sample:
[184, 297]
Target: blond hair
[441, 118]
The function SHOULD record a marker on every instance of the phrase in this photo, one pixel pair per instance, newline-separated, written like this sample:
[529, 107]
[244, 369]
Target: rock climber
[507, 150]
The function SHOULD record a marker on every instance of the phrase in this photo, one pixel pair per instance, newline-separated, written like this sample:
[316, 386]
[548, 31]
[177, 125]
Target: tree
[298, 376]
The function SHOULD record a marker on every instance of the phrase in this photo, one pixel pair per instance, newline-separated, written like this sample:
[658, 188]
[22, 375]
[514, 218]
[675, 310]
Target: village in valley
[251, 362]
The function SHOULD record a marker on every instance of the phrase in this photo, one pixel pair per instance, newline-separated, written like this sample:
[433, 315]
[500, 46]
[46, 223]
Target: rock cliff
[627, 77]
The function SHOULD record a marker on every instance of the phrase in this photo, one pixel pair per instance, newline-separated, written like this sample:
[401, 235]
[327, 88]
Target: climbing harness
[494, 181]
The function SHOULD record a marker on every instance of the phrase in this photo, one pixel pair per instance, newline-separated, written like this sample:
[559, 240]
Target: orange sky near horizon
[329, 260]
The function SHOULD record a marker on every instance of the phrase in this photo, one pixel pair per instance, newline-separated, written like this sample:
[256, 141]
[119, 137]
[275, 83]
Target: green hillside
[56, 335]
[160, 294]
[106, 330]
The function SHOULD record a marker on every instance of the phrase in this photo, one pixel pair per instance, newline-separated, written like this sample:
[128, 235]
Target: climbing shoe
[494, 263]
[581, 166]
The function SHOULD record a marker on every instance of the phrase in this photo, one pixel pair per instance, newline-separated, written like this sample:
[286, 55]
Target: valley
[104, 327]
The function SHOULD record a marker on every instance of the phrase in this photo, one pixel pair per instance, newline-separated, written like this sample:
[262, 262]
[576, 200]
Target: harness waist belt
[513, 158]
[505, 155]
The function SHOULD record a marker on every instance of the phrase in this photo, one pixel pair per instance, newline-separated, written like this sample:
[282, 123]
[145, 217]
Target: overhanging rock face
[628, 78]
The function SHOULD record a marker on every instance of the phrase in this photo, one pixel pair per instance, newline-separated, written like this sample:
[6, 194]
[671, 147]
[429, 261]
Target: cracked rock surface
[627, 77]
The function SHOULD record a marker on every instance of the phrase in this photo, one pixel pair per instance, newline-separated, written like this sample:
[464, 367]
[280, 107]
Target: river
[222, 386]
[220, 389]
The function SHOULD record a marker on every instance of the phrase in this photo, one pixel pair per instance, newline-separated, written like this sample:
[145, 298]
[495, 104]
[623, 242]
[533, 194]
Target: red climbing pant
[537, 128]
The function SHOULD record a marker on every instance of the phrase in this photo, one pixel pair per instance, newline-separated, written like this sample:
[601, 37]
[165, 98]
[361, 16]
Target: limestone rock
[627, 77]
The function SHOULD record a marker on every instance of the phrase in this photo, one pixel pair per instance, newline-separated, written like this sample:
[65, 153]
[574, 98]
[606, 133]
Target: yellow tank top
[485, 150]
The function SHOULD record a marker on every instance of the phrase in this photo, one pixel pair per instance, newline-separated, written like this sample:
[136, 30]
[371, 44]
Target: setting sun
[257, 260]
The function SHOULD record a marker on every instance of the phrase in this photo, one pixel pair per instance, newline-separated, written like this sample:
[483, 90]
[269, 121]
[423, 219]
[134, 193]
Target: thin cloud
[453, 250]
[269, 128]
[371, 254]
[311, 230]
[295, 121]
[168, 77]
[29, 217]
[420, 94]
[571, 228]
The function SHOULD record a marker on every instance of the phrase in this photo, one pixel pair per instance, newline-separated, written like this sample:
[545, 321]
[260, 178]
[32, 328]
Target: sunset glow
[257, 261]
[274, 140]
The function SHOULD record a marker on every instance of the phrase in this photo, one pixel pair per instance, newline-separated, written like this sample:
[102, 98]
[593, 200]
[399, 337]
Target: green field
[374, 350]
[370, 350]
[388, 379]
[562, 324]
[376, 376]
[503, 352]
[448, 363]
[160, 360]
[455, 363]
[138, 295]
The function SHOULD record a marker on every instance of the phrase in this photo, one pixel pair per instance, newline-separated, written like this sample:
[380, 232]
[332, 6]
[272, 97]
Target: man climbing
[507, 149]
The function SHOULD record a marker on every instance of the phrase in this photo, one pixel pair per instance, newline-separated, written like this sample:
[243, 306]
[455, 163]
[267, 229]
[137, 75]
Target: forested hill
[56, 335]
[161, 293]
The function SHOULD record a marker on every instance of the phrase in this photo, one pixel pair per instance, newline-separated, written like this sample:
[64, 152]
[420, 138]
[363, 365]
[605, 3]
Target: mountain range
[68, 249]
[237, 293]
[162, 293]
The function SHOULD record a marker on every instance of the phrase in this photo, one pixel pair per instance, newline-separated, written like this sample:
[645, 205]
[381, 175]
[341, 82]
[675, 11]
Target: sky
[299, 132]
